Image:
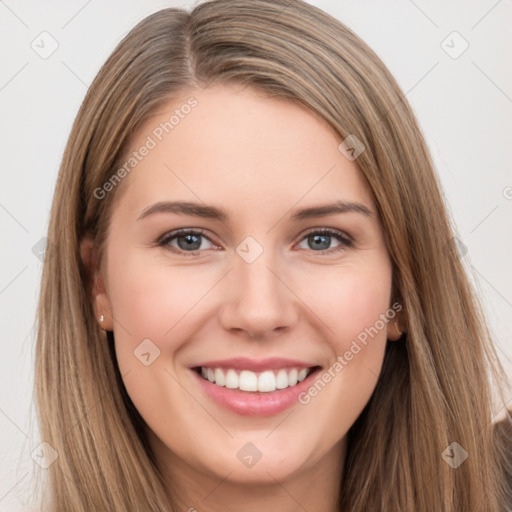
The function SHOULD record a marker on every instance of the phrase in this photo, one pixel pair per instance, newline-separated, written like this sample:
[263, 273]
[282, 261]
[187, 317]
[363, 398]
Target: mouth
[254, 387]
[266, 381]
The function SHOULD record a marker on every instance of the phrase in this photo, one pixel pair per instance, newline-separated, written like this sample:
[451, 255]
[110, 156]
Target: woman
[255, 371]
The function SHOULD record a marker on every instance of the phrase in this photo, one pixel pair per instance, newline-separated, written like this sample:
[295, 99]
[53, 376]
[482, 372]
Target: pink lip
[243, 363]
[249, 403]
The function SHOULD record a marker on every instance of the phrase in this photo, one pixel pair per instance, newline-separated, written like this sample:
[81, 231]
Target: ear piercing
[102, 318]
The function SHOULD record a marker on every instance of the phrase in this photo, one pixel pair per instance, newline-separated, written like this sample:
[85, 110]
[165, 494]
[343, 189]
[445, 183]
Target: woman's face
[257, 295]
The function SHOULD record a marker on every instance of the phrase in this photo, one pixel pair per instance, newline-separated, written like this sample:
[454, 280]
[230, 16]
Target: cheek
[150, 301]
[349, 301]
[353, 306]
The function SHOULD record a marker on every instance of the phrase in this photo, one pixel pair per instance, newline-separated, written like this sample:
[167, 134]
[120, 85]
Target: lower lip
[249, 403]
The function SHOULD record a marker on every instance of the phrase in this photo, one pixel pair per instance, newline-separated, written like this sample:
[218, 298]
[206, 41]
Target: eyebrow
[212, 212]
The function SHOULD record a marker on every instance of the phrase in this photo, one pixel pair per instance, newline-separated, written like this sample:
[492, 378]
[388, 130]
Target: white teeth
[246, 380]
[292, 377]
[220, 380]
[231, 379]
[267, 381]
[281, 379]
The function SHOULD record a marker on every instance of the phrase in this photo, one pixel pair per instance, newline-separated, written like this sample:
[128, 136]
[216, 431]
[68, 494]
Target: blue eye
[189, 241]
[321, 239]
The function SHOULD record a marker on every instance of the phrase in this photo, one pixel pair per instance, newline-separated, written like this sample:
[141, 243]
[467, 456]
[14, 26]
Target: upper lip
[255, 365]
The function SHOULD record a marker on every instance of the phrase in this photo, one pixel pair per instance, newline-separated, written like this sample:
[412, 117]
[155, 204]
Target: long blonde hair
[434, 388]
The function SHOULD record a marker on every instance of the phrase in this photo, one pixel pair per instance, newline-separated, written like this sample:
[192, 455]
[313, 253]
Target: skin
[260, 159]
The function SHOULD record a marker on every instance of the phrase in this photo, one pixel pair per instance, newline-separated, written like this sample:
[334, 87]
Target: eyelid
[332, 231]
[344, 238]
[166, 237]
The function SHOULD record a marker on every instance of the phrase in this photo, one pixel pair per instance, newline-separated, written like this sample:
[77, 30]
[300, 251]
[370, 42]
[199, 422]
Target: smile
[254, 387]
[267, 381]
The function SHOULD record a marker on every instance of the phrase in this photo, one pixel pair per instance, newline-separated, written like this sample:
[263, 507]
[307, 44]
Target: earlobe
[103, 311]
[394, 331]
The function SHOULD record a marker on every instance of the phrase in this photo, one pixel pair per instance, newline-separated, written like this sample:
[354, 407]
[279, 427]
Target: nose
[257, 299]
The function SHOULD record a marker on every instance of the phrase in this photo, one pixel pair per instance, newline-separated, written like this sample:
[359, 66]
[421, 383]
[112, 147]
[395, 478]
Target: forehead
[234, 144]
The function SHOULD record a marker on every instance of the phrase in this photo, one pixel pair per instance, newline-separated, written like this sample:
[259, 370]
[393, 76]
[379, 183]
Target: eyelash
[345, 241]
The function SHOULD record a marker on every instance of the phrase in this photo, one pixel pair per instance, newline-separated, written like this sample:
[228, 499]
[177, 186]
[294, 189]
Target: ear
[96, 283]
[394, 330]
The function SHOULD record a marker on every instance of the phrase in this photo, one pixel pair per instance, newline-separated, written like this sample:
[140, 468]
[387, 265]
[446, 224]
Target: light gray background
[464, 106]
